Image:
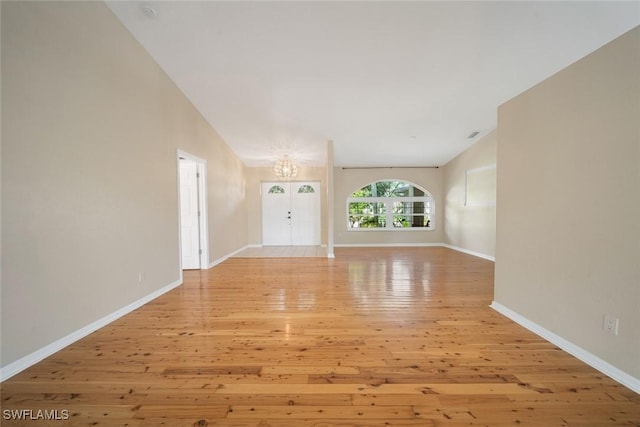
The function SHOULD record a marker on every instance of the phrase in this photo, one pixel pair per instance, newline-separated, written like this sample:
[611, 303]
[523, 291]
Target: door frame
[201, 167]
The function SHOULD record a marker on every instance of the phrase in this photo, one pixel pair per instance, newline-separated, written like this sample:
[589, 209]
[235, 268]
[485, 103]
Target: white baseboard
[589, 358]
[398, 245]
[23, 363]
[470, 252]
[385, 245]
[226, 257]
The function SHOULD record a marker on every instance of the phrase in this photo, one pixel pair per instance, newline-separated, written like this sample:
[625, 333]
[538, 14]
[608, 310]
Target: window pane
[411, 221]
[366, 208]
[367, 215]
[276, 189]
[410, 207]
[363, 192]
[367, 221]
[390, 189]
[306, 189]
[399, 189]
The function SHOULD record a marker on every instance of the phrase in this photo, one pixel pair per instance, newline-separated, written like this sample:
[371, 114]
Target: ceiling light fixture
[285, 168]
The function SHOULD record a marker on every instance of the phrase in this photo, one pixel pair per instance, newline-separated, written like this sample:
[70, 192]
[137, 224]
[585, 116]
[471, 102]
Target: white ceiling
[391, 83]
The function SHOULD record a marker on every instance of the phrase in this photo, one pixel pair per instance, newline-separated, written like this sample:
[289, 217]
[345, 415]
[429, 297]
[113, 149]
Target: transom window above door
[390, 205]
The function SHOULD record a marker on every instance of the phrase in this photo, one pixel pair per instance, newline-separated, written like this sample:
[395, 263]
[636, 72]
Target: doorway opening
[194, 251]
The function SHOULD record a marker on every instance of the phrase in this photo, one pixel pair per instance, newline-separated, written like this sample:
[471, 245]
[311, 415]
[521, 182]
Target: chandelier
[285, 168]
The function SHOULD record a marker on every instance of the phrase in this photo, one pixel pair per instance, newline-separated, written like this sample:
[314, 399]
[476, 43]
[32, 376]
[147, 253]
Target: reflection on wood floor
[283, 251]
[374, 337]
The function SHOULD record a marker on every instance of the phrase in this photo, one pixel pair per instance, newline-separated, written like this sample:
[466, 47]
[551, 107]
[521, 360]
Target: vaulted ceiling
[391, 83]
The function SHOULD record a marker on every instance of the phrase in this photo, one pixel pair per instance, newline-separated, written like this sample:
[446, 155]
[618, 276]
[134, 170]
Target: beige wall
[257, 175]
[226, 187]
[346, 181]
[471, 225]
[568, 235]
[91, 126]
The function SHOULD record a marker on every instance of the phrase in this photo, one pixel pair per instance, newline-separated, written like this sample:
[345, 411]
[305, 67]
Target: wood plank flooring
[374, 337]
[282, 251]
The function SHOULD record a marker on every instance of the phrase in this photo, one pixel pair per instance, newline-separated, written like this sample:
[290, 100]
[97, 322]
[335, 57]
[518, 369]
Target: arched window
[276, 189]
[306, 189]
[390, 205]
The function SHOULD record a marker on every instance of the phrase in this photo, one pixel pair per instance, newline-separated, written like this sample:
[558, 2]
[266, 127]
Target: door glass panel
[306, 189]
[276, 189]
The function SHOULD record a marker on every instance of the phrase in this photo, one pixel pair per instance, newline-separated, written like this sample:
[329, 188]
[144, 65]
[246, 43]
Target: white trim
[226, 257]
[470, 252]
[330, 200]
[384, 245]
[576, 351]
[204, 215]
[399, 245]
[23, 363]
[190, 156]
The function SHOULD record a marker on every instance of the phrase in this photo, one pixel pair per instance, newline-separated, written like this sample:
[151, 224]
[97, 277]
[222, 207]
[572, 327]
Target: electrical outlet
[610, 324]
[141, 276]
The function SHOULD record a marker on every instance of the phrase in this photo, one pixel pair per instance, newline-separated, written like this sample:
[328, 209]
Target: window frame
[389, 214]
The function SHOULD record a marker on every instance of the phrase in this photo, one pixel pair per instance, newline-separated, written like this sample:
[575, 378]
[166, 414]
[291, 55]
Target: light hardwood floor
[374, 337]
[282, 252]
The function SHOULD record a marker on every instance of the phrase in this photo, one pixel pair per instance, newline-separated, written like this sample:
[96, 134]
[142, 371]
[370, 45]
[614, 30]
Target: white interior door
[276, 214]
[189, 219]
[305, 213]
[290, 213]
